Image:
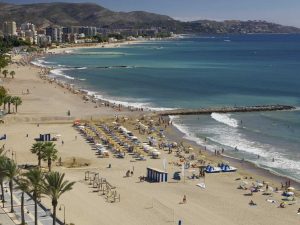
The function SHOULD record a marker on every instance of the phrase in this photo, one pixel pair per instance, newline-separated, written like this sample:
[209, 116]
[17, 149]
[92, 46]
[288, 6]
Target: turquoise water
[195, 72]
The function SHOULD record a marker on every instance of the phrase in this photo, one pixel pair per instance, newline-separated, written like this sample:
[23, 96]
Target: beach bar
[155, 175]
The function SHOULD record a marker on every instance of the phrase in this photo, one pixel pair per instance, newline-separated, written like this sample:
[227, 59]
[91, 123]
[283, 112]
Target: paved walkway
[4, 219]
[44, 216]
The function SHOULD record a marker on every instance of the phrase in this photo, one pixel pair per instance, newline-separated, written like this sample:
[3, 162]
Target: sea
[199, 72]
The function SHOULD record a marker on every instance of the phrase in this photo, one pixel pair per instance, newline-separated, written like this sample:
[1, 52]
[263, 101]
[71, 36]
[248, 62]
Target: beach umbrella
[290, 188]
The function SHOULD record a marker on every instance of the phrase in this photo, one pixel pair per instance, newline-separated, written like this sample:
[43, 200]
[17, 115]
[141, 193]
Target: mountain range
[89, 14]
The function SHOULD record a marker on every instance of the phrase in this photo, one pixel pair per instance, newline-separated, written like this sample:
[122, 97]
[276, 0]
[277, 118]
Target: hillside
[236, 26]
[89, 14]
[76, 14]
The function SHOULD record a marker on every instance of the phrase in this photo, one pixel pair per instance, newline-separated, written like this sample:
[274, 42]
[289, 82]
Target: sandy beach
[44, 110]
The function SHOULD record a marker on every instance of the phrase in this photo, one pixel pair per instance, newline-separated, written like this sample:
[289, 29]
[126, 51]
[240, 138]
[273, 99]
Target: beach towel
[201, 185]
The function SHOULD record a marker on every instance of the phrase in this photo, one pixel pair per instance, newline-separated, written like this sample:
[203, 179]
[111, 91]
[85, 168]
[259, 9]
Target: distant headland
[88, 14]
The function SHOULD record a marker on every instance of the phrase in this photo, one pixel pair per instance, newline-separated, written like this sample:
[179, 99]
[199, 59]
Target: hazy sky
[281, 11]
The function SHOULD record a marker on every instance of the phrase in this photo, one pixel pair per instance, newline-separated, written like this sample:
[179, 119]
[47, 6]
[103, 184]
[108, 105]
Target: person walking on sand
[184, 199]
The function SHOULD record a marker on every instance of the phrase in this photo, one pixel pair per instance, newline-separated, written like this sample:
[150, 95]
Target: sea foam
[59, 72]
[225, 119]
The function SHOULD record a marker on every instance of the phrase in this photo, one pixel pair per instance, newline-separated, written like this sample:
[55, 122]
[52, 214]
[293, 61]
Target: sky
[286, 12]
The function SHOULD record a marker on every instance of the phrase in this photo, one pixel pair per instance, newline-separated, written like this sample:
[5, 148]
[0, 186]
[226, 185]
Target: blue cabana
[155, 175]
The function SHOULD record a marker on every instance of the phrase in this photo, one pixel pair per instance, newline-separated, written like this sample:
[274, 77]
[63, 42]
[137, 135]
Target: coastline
[221, 200]
[246, 167]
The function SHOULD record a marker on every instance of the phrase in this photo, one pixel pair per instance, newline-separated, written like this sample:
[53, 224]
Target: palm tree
[49, 153]
[2, 176]
[37, 148]
[16, 101]
[12, 74]
[54, 186]
[9, 101]
[11, 169]
[5, 72]
[23, 185]
[35, 178]
[6, 99]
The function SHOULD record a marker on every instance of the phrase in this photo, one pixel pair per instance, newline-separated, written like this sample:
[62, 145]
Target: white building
[9, 28]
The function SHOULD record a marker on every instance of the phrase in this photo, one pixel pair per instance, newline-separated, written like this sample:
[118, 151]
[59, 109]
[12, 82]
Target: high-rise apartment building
[9, 28]
[55, 33]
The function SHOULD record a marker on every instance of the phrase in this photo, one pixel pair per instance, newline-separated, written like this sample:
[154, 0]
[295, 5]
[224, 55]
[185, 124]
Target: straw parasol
[290, 188]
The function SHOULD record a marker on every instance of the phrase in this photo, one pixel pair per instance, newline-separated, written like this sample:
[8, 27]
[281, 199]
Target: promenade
[7, 218]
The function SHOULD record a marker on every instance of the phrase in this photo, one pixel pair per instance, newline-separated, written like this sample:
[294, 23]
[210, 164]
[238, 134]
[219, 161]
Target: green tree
[23, 186]
[12, 171]
[49, 153]
[16, 101]
[35, 178]
[6, 100]
[54, 186]
[37, 148]
[3, 61]
[5, 72]
[3, 93]
[12, 74]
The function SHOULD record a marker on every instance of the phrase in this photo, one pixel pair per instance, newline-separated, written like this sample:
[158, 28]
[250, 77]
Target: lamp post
[62, 205]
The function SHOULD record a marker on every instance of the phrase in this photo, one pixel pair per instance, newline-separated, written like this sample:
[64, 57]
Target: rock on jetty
[258, 108]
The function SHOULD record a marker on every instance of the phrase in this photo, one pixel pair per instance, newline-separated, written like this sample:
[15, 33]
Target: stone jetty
[258, 108]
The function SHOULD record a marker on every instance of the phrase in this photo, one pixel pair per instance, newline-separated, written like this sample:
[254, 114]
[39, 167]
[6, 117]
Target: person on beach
[282, 205]
[184, 199]
[252, 203]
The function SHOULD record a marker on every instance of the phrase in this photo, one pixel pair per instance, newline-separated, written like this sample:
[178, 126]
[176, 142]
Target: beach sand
[44, 110]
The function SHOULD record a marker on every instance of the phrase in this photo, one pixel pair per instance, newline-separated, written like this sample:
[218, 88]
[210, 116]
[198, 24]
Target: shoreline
[245, 166]
[221, 200]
